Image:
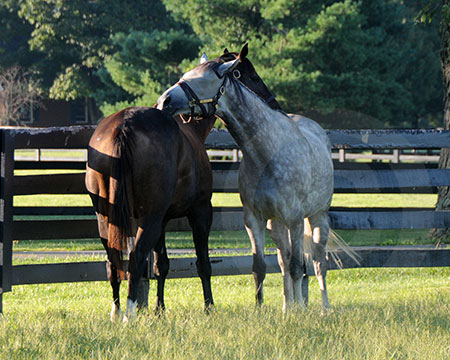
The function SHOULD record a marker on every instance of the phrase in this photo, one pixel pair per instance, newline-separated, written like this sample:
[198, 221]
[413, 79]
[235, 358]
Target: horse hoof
[116, 313]
[210, 308]
[159, 310]
[325, 311]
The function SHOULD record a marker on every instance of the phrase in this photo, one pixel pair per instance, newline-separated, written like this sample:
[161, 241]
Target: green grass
[225, 199]
[175, 240]
[51, 154]
[377, 314]
[352, 200]
[237, 239]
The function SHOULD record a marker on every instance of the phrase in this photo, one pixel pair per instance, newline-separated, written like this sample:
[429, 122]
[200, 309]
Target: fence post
[396, 156]
[6, 210]
[341, 155]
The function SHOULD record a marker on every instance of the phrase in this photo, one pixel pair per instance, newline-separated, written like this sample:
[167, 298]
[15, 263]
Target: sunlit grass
[352, 200]
[377, 314]
[52, 200]
[50, 154]
[384, 200]
[233, 200]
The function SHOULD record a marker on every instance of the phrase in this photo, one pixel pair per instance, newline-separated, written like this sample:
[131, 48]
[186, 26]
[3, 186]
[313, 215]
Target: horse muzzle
[173, 101]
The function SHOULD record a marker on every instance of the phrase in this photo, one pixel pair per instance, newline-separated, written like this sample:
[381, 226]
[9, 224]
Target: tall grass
[377, 314]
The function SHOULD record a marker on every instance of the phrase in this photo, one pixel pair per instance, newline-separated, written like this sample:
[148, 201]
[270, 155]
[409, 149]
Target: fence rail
[350, 177]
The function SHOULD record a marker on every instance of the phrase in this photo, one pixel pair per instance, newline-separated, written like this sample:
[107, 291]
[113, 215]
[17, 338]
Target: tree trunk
[443, 202]
[94, 113]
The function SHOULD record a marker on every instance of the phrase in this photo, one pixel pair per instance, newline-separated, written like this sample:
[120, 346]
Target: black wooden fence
[350, 177]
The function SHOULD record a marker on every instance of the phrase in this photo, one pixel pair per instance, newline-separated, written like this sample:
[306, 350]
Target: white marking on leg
[288, 292]
[298, 293]
[131, 311]
[323, 291]
[116, 313]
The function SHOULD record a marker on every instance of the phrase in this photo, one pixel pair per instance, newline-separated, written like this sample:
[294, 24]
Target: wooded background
[347, 64]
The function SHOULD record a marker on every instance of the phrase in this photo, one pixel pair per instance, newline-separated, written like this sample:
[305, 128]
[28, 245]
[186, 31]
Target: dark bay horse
[144, 169]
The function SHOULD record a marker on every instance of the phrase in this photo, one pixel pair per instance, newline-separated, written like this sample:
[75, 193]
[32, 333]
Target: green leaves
[148, 62]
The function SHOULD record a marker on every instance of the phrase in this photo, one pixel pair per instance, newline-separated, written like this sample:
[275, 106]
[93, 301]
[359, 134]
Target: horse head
[248, 76]
[200, 89]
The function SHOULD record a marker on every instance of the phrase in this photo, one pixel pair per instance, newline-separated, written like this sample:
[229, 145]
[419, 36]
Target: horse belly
[271, 198]
[292, 185]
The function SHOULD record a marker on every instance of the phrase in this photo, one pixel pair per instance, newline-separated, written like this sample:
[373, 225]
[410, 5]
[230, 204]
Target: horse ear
[227, 67]
[244, 52]
[203, 59]
[225, 51]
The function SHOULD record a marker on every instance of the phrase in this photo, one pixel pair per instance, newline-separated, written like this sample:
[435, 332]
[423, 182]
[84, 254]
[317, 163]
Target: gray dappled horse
[286, 174]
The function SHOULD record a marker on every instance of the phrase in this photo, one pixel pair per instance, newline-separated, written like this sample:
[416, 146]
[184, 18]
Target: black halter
[193, 99]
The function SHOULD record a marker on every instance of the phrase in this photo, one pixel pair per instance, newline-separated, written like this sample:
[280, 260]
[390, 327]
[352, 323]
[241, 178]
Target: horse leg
[296, 264]
[114, 256]
[144, 284]
[321, 228]
[306, 260]
[280, 237]
[160, 269]
[255, 227]
[146, 238]
[200, 219]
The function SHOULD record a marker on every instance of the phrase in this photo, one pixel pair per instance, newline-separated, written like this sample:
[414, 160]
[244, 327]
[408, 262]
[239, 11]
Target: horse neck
[201, 128]
[252, 123]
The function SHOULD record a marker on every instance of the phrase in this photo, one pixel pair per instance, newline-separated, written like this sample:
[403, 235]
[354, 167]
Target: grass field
[377, 314]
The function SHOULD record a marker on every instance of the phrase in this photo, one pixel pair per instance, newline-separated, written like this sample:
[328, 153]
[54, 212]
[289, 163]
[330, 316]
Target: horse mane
[120, 226]
[239, 86]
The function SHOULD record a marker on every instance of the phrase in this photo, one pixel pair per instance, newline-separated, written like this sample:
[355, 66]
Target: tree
[70, 41]
[18, 95]
[14, 35]
[146, 63]
[443, 202]
[433, 9]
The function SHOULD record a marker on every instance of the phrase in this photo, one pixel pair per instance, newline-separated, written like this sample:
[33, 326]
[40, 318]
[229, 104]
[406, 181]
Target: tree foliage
[361, 56]
[364, 60]
[75, 40]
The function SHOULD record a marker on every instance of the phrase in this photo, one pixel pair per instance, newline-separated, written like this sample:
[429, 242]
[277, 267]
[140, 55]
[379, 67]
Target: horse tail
[335, 244]
[121, 192]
